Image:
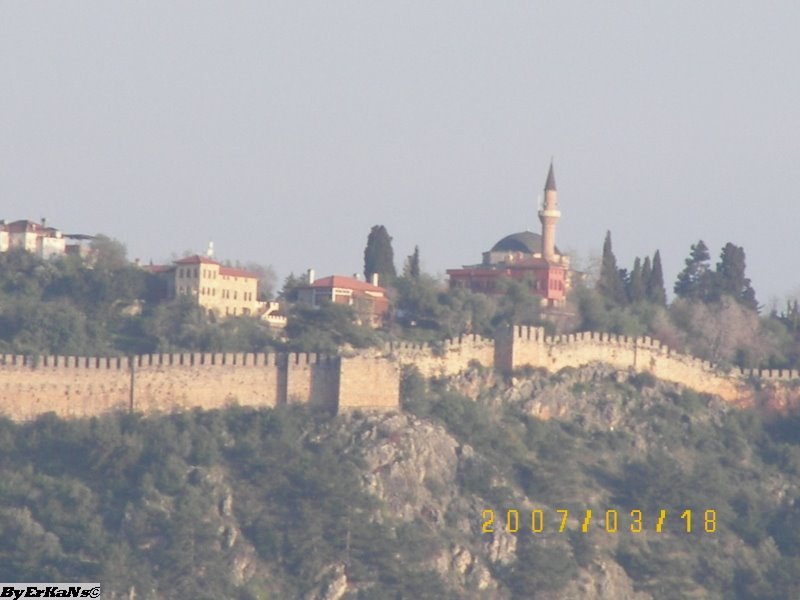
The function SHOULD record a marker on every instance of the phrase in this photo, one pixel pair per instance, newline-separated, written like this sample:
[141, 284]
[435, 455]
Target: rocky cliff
[589, 483]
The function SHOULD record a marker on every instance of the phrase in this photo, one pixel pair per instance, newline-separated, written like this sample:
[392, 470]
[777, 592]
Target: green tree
[288, 292]
[636, 283]
[518, 305]
[647, 270]
[266, 278]
[694, 281]
[417, 303]
[730, 277]
[326, 328]
[412, 264]
[654, 283]
[107, 252]
[379, 256]
[610, 284]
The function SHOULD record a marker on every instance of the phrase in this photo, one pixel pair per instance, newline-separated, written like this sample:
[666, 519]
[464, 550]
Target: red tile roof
[223, 270]
[157, 268]
[351, 283]
[22, 226]
[196, 260]
[233, 272]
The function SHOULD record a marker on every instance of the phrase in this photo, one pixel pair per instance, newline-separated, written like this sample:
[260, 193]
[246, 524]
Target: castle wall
[369, 382]
[168, 382]
[69, 386]
[84, 387]
[453, 357]
[528, 346]
[81, 387]
[312, 379]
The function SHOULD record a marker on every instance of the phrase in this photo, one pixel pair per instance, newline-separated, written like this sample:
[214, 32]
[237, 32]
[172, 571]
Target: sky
[283, 131]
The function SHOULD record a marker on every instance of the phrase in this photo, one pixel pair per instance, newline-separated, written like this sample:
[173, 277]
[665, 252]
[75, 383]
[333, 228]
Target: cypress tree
[656, 292]
[646, 271]
[379, 256]
[413, 264]
[636, 285]
[610, 283]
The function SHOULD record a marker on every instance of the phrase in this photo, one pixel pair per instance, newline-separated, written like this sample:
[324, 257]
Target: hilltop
[285, 502]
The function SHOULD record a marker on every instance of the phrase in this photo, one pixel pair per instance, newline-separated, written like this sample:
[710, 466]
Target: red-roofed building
[225, 291]
[35, 237]
[368, 299]
[525, 256]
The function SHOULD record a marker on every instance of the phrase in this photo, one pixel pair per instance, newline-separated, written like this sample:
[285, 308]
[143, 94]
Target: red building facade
[526, 257]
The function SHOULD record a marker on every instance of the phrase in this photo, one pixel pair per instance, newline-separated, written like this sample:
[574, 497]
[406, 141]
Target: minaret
[549, 215]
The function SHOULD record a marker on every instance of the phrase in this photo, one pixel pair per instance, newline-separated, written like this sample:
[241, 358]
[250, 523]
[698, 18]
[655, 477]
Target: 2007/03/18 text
[512, 521]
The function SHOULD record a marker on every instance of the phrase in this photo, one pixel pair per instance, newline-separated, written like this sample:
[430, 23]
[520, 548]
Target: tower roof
[551, 179]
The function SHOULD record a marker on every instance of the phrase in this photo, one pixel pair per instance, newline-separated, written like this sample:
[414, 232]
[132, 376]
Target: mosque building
[525, 256]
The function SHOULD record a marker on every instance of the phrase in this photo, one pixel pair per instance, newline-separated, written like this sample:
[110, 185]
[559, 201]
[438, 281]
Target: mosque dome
[524, 241]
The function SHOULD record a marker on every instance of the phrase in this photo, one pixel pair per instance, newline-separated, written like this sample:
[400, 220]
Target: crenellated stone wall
[169, 382]
[529, 346]
[522, 346]
[451, 357]
[81, 387]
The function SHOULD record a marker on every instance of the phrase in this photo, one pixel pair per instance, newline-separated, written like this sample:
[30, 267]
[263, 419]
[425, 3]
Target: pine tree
[694, 280]
[656, 293]
[730, 277]
[379, 256]
[636, 283]
[610, 283]
[289, 291]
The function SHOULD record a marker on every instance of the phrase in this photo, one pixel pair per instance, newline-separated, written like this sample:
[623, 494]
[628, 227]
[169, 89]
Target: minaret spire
[549, 216]
[551, 179]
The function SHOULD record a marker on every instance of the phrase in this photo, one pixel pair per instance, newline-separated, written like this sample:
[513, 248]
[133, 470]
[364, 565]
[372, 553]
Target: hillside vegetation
[285, 503]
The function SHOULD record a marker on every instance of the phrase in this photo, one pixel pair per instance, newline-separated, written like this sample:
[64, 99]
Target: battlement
[770, 374]
[79, 386]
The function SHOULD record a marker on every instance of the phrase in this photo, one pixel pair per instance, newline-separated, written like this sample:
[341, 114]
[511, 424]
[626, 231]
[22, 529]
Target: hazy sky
[283, 131]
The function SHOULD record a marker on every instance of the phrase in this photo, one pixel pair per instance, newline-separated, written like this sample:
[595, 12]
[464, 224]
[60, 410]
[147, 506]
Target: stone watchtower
[549, 216]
